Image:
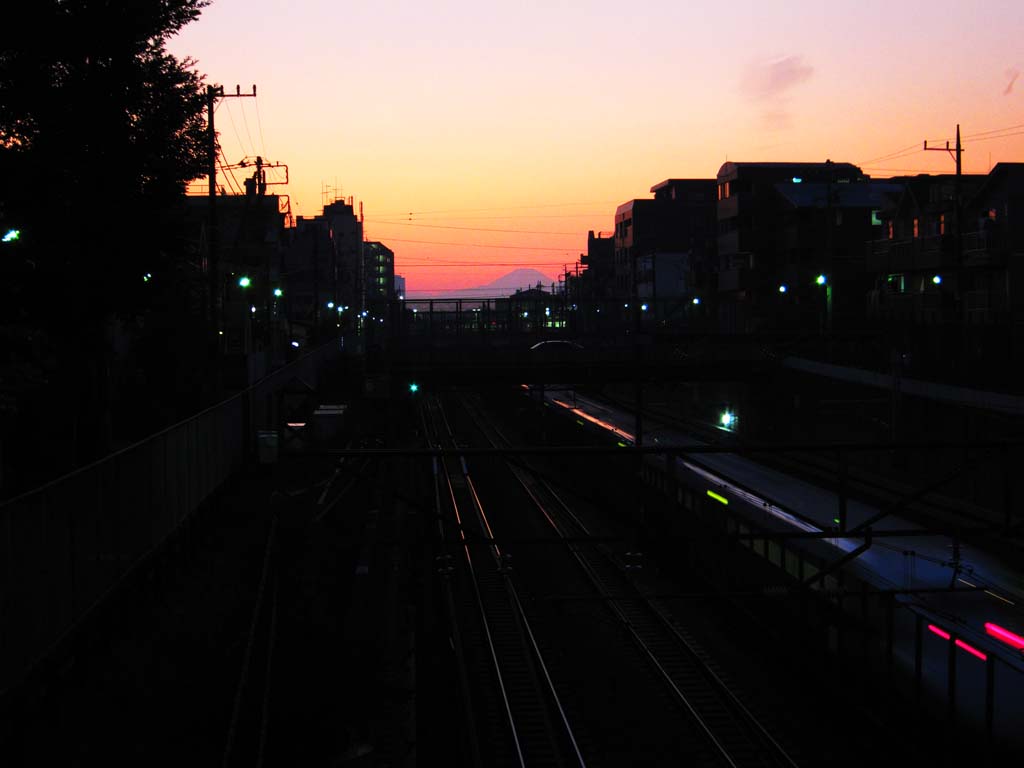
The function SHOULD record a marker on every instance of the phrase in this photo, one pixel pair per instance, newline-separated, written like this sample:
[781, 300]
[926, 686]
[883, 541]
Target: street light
[783, 288]
[820, 280]
[278, 293]
[244, 281]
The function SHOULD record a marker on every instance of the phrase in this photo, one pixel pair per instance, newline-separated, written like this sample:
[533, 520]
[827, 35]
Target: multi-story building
[379, 273]
[310, 277]
[596, 280]
[790, 243]
[664, 246]
[250, 242]
[926, 272]
[347, 233]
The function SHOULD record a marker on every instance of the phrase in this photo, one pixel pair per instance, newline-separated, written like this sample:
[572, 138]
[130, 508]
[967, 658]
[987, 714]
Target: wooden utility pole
[213, 302]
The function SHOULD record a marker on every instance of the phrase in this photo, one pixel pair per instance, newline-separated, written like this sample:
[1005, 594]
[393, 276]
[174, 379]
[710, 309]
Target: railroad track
[525, 723]
[733, 734]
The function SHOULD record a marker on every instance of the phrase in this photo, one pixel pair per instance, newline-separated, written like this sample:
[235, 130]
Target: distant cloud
[767, 80]
[768, 83]
[1013, 74]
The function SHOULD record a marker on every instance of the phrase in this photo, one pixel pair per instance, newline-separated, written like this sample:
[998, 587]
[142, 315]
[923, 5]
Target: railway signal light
[414, 387]
[244, 281]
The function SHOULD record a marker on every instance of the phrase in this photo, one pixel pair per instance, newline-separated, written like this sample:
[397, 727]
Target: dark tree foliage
[99, 126]
[100, 130]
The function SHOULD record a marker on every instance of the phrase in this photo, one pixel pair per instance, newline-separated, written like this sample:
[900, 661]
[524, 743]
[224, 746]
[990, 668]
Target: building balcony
[925, 253]
[917, 308]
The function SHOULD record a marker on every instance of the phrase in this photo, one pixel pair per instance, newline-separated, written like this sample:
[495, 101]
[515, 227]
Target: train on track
[938, 619]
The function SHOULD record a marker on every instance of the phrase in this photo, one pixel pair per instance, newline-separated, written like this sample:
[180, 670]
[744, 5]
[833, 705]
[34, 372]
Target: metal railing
[65, 545]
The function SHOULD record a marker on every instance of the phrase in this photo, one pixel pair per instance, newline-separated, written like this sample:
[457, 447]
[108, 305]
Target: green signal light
[414, 387]
[12, 235]
[278, 292]
[244, 281]
[820, 279]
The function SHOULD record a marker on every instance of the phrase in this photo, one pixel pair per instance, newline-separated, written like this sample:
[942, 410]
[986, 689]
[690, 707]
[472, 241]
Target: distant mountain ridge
[505, 285]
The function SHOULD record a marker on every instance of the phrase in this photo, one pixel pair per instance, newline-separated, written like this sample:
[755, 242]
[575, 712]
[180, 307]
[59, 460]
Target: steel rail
[509, 586]
[456, 635]
[483, 614]
[491, 432]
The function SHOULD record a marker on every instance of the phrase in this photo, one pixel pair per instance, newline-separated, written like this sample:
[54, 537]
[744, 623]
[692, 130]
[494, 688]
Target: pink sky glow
[485, 136]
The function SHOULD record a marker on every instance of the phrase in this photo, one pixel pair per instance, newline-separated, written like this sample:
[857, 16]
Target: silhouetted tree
[100, 130]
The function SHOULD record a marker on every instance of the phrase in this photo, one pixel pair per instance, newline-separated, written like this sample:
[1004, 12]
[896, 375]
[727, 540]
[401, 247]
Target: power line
[227, 172]
[479, 245]
[497, 208]
[582, 215]
[405, 262]
[892, 155]
[234, 127]
[259, 125]
[473, 229]
[1001, 136]
[994, 130]
[245, 122]
[904, 170]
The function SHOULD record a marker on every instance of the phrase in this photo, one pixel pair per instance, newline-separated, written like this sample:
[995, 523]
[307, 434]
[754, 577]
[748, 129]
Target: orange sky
[522, 125]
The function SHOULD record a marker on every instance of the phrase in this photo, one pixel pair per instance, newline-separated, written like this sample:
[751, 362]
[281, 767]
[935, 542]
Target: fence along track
[527, 694]
[732, 731]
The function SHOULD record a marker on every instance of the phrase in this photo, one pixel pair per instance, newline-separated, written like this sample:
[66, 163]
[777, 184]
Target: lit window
[942, 223]
[915, 228]
[992, 213]
[890, 233]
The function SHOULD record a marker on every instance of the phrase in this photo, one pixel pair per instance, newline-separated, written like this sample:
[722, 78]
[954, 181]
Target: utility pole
[213, 304]
[830, 271]
[956, 153]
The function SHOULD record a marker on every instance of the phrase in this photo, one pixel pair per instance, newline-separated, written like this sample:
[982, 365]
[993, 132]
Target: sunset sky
[485, 136]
